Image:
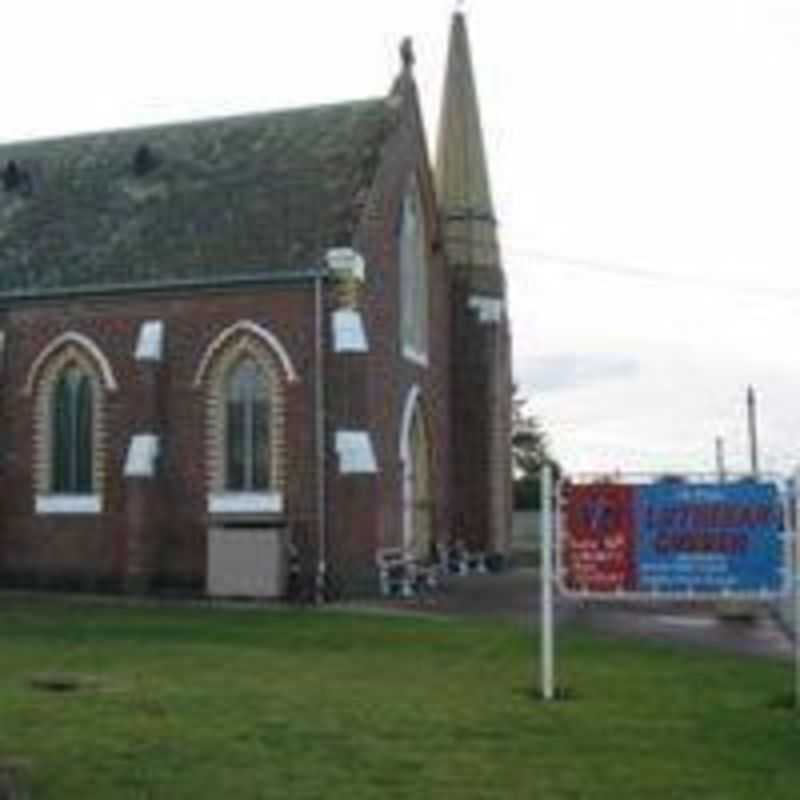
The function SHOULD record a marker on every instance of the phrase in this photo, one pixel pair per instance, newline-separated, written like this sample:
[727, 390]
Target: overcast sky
[645, 158]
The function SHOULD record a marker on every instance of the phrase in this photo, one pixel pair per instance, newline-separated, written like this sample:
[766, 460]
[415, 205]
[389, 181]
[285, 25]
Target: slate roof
[211, 200]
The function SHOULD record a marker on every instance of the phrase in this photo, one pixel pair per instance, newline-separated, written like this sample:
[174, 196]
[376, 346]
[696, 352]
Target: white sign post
[546, 579]
[795, 527]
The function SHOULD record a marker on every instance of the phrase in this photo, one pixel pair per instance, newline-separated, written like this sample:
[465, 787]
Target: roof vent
[144, 161]
[13, 176]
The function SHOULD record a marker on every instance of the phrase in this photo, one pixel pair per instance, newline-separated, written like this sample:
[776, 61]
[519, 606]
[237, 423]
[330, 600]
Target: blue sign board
[708, 537]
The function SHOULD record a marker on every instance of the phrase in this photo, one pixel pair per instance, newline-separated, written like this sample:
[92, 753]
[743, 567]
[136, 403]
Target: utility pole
[752, 426]
[720, 451]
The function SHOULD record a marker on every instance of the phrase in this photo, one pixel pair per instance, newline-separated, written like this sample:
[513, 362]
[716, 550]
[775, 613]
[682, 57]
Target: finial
[407, 53]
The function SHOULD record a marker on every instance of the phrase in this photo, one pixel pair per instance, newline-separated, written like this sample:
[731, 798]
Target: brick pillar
[143, 487]
[142, 526]
[352, 469]
[481, 413]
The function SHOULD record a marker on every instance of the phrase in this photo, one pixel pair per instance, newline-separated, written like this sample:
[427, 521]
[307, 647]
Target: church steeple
[462, 176]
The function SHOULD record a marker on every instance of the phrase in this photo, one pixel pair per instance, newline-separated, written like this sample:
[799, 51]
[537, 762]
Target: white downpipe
[319, 592]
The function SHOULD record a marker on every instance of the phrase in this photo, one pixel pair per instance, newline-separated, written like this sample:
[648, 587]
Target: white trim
[349, 335]
[411, 407]
[490, 309]
[409, 353]
[245, 503]
[412, 400]
[68, 504]
[356, 454]
[142, 455]
[84, 342]
[150, 344]
[240, 327]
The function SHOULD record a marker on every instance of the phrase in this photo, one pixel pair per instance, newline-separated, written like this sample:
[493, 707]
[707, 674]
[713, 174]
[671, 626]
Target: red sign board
[598, 553]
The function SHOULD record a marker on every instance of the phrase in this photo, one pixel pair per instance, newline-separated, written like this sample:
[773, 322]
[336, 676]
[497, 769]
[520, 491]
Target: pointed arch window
[247, 423]
[244, 372]
[413, 278]
[69, 383]
[71, 424]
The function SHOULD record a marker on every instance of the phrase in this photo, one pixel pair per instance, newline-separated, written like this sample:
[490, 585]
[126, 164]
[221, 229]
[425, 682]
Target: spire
[462, 176]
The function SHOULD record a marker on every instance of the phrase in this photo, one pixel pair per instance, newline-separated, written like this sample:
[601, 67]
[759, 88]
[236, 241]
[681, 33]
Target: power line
[639, 273]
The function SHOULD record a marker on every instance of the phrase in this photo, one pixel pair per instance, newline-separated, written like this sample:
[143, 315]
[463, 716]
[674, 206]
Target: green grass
[196, 703]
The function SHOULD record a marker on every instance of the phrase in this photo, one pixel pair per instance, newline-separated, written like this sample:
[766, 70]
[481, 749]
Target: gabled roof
[207, 201]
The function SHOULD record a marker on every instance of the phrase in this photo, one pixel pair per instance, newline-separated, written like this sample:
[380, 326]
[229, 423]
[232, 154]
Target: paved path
[514, 595]
[760, 636]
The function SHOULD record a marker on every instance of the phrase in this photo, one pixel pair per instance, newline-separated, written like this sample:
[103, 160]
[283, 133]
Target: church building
[253, 353]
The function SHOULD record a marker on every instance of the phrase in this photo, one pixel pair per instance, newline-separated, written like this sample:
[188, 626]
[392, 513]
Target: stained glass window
[72, 423]
[247, 415]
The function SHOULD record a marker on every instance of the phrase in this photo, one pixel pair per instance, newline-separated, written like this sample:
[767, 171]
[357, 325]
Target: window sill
[245, 503]
[68, 504]
[418, 358]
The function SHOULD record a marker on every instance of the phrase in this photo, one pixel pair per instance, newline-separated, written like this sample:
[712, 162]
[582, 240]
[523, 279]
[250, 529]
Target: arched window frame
[413, 424]
[414, 276]
[226, 352]
[69, 351]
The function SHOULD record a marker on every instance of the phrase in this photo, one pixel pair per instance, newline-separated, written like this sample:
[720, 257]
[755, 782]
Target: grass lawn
[195, 703]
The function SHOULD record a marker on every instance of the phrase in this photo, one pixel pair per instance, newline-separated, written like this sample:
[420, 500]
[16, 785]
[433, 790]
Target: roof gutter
[282, 277]
[316, 277]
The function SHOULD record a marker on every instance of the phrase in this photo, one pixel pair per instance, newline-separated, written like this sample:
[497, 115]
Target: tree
[530, 451]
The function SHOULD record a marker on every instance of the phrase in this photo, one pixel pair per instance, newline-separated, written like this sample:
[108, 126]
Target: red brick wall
[94, 545]
[481, 403]
[363, 391]
[366, 513]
